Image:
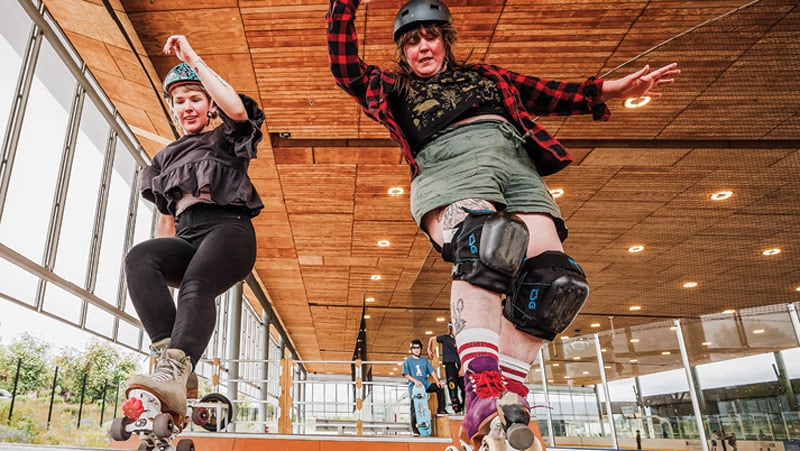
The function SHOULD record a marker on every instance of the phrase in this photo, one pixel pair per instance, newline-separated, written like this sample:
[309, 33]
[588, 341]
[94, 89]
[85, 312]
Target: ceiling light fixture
[690, 285]
[635, 308]
[665, 353]
[729, 311]
[637, 102]
[758, 331]
[367, 317]
[440, 319]
[594, 325]
[635, 249]
[428, 332]
[557, 192]
[375, 277]
[706, 343]
[395, 191]
[369, 300]
[773, 251]
[634, 360]
[634, 340]
[383, 243]
[722, 195]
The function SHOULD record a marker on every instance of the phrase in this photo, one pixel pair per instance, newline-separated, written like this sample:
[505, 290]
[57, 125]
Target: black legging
[213, 248]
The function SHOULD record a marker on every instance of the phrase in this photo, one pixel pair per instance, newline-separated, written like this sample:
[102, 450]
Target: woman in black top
[205, 241]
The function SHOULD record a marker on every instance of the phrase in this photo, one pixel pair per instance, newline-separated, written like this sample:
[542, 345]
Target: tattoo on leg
[458, 321]
[455, 212]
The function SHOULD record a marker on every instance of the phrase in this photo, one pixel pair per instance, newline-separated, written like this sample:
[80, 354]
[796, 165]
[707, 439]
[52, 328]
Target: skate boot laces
[167, 368]
[488, 384]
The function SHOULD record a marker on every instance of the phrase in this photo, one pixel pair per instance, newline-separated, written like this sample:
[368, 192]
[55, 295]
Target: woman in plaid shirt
[477, 159]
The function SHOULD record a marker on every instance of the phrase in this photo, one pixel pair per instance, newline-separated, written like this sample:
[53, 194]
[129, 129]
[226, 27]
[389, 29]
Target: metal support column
[550, 433]
[602, 366]
[687, 368]
[264, 388]
[234, 334]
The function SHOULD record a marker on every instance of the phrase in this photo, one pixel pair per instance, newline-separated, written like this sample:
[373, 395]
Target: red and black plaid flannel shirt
[523, 96]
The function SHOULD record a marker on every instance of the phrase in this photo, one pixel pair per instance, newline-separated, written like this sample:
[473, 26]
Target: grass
[29, 424]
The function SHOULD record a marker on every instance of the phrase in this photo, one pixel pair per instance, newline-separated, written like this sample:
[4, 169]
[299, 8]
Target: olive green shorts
[483, 160]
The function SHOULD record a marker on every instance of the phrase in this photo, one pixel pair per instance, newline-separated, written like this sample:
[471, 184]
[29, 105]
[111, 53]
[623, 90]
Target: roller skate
[489, 403]
[191, 382]
[156, 405]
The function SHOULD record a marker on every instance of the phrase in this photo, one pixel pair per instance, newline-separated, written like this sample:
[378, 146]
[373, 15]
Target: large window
[68, 203]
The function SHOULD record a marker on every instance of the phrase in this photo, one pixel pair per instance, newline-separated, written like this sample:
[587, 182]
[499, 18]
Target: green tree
[34, 371]
[101, 363]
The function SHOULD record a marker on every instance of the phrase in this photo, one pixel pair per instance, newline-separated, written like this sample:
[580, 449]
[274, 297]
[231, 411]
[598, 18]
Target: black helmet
[418, 11]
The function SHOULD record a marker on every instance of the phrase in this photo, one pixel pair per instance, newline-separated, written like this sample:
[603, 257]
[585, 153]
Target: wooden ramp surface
[277, 442]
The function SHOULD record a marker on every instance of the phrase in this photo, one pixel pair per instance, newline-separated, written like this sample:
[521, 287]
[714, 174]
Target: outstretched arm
[221, 92]
[639, 83]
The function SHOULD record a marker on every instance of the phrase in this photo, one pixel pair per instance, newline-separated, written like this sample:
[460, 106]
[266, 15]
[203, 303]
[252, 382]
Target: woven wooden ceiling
[731, 122]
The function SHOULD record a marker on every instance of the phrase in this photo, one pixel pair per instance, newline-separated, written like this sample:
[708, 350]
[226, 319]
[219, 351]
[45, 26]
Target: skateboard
[421, 410]
[158, 430]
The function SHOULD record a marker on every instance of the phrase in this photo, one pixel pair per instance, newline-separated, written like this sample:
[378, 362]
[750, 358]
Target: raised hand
[640, 83]
[179, 46]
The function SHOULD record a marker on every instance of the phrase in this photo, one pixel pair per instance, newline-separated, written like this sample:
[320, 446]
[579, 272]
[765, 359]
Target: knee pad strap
[488, 250]
[547, 296]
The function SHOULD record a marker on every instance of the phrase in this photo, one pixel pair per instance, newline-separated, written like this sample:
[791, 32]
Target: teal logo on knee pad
[533, 297]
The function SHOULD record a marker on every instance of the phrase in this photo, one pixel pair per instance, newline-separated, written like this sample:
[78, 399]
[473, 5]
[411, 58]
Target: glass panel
[128, 334]
[99, 321]
[112, 249]
[15, 26]
[18, 283]
[35, 169]
[744, 363]
[62, 304]
[77, 228]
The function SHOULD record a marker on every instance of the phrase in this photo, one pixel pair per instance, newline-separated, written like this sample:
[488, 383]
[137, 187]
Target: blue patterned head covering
[181, 74]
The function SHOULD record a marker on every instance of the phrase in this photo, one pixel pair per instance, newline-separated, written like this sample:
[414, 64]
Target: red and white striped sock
[477, 342]
[513, 369]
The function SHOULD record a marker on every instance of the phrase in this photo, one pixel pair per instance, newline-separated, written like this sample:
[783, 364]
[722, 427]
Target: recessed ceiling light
[556, 364]
[634, 361]
[635, 249]
[729, 311]
[690, 285]
[395, 191]
[383, 243]
[637, 102]
[367, 317]
[722, 195]
[550, 380]
[603, 350]
[369, 300]
[576, 358]
[557, 192]
[564, 337]
[428, 332]
[758, 331]
[665, 353]
[634, 340]
[375, 277]
[635, 308]
[594, 325]
[706, 343]
[773, 251]
[797, 289]
[440, 319]
[584, 372]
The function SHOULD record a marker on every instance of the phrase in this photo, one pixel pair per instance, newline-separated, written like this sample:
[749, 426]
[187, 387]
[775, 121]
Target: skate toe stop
[519, 436]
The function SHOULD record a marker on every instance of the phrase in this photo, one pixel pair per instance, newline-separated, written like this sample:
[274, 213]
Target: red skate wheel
[163, 425]
[200, 416]
[118, 431]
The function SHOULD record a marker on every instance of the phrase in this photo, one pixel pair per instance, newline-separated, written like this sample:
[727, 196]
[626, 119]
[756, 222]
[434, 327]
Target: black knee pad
[488, 249]
[547, 296]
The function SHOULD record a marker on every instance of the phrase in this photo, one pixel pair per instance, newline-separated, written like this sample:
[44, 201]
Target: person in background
[452, 366]
[477, 158]
[205, 241]
[416, 370]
